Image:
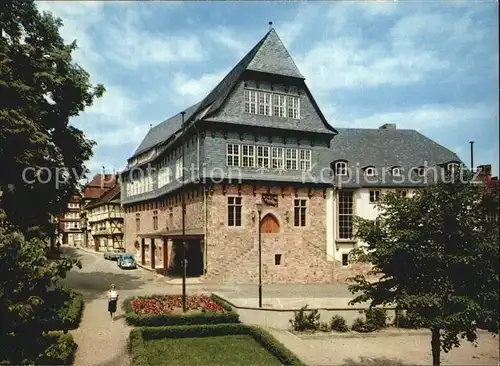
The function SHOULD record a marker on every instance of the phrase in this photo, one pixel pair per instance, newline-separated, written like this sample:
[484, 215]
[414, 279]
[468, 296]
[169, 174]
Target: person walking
[112, 300]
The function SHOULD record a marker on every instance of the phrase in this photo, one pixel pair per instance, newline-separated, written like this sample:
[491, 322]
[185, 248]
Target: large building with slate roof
[260, 137]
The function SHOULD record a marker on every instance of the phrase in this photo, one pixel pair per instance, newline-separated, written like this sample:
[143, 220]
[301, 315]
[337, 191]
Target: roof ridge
[235, 72]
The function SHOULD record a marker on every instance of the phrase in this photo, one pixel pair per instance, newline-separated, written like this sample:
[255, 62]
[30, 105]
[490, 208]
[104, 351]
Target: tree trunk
[436, 346]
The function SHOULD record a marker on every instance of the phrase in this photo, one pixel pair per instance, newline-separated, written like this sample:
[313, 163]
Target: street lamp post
[259, 210]
[183, 204]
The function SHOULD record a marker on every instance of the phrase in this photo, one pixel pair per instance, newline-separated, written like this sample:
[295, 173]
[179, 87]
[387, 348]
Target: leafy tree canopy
[437, 255]
[27, 294]
[41, 89]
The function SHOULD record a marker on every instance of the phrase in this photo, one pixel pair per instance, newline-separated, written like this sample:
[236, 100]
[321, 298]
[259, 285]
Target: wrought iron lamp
[259, 210]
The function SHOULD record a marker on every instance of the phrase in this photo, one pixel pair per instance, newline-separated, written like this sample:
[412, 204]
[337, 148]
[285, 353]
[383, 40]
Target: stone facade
[302, 249]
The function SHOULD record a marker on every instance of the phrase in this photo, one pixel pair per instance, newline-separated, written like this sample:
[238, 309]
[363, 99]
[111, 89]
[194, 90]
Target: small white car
[113, 253]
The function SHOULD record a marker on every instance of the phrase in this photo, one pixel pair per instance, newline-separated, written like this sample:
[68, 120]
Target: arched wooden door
[269, 224]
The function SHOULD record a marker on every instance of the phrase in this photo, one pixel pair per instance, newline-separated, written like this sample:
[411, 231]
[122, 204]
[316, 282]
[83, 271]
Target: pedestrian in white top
[112, 300]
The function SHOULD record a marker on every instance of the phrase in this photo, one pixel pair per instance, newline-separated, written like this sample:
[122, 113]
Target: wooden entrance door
[269, 224]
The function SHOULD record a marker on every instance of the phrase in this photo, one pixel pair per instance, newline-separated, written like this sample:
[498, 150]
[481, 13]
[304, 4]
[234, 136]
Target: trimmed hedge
[158, 320]
[139, 335]
[53, 348]
[66, 311]
[61, 352]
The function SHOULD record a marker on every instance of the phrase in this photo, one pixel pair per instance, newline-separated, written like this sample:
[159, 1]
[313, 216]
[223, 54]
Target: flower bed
[171, 303]
[160, 310]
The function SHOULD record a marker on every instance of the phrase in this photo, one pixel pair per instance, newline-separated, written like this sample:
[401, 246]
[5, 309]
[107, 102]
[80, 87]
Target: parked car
[113, 253]
[126, 261]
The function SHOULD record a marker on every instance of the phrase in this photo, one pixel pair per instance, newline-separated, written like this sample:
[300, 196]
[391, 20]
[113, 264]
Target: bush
[407, 321]
[338, 324]
[266, 340]
[376, 318]
[359, 325]
[158, 320]
[303, 322]
[65, 309]
[324, 327]
[52, 348]
[60, 352]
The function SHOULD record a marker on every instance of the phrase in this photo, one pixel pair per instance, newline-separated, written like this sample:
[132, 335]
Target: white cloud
[115, 105]
[224, 36]
[343, 63]
[190, 90]
[426, 117]
[128, 133]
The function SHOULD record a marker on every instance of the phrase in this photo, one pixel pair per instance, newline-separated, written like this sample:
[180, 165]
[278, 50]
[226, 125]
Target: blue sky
[426, 66]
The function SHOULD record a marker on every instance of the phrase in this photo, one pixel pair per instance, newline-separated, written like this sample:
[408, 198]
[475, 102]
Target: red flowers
[168, 303]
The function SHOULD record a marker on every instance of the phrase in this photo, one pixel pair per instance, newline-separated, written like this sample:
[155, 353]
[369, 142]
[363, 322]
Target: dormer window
[420, 171]
[370, 171]
[396, 171]
[452, 167]
[340, 168]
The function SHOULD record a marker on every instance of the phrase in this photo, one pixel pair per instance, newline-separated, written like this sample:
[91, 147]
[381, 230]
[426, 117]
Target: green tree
[436, 255]
[27, 295]
[41, 89]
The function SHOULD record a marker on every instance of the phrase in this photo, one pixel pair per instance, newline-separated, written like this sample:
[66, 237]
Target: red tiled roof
[107, 197]
[100, 184]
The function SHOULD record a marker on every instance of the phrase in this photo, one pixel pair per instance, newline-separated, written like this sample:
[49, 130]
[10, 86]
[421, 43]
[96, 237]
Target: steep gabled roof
[109, 196]
[99, 184]
[269, 55]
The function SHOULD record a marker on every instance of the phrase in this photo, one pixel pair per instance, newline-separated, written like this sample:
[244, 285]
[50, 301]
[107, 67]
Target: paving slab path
[101, 341]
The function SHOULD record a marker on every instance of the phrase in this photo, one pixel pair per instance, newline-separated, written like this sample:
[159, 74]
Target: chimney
[388, 126]
[270, 25]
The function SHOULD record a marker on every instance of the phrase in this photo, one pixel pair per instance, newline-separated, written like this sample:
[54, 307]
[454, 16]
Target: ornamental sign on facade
[270, 200]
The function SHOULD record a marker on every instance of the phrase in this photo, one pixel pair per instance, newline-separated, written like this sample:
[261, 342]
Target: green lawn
[237, 350]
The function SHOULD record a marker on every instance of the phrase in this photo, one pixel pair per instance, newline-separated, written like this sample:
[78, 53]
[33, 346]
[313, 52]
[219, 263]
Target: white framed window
[234, 211]
[396, 171]
[178, 168]
[263, 156]
[291, 159]
[341, 168]
[420, 171]
[250, 101]
[164, 176]
[370, 171]
[305, 160]
[233, 155]
[345, 214]
[299, 209]
[278, 105]
[248, 155]
[277, 158]
[452, 168]
[265, 103]
[374, 196]
[293, 107]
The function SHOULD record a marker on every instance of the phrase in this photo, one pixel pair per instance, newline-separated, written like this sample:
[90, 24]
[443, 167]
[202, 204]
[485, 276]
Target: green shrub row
[139, 335]
[53, 348]
[66, 311]
[61, 351]
[309, 320]
[158, 320]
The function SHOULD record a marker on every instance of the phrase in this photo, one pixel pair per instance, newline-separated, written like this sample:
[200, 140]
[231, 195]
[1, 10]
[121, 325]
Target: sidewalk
[100, 340]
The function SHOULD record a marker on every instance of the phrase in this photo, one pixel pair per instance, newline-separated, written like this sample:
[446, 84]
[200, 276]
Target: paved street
[103, 342]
